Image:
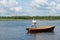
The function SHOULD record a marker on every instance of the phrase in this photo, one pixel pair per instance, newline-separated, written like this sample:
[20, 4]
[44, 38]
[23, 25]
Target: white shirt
[34, 21]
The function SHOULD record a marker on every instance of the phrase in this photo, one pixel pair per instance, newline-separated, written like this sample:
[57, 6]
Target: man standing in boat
[34, 23]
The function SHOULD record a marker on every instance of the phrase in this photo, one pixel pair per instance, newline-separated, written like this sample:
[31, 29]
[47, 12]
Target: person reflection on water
[34, 23]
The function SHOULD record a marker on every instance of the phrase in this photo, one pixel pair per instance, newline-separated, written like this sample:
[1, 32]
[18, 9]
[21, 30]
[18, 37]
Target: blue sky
[29, 7]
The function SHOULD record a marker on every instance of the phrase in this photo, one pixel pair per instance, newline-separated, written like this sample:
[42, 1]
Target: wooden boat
[41, 29]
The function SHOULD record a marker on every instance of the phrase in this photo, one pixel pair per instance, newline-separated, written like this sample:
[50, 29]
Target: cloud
[46, 6]
[9, 3]
[31, 7]
[11, 6]
[58, 7]
[43, 7]
[2, 8]
[58, 1]
[41, 2]
[53, 4]
[17, 9]
[2, 11]
[38, 3]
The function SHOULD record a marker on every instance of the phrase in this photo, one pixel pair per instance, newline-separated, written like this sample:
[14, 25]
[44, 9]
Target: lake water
[16, 30]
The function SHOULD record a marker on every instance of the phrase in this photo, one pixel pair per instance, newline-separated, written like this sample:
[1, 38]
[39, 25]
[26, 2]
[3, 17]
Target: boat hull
[44, 29]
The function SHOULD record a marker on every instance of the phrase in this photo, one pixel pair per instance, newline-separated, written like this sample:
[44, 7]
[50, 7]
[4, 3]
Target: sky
[29, 7]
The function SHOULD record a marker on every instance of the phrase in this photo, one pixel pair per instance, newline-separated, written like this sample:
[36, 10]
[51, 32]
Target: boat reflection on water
[42, 36]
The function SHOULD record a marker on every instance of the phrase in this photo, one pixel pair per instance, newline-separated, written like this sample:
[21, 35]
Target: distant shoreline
[29, 18]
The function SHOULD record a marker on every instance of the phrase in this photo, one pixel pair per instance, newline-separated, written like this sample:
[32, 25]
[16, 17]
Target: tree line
[31, 17]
